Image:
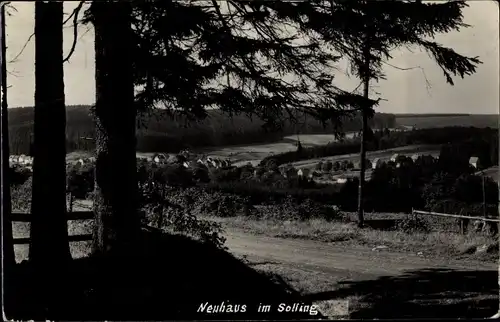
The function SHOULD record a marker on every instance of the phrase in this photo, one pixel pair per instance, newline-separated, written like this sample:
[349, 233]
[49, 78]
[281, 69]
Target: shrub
[224, 175]
[412, 224]
[327, 166]
[21, 196]
[293, 209]
[225, 205]
[80, 180]
[171, 209]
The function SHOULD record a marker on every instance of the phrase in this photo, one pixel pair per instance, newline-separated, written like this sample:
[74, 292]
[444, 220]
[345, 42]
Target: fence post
[69, 197]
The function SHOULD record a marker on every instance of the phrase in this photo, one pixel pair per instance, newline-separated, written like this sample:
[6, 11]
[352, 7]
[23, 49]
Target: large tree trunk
[49, 228]
[7, 241]
[117, 223]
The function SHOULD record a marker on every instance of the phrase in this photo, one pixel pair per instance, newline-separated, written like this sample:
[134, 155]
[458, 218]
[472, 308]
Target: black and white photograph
[249, 160]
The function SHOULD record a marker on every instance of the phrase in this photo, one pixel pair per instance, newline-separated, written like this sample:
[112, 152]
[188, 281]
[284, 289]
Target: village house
[303, 172]
[377, 163]
[475, 162]
[21, 159]
[159, 158]
[187, 164]
[342, 180]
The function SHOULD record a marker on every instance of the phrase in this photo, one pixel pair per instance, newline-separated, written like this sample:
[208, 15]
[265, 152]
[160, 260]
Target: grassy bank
[438, 243]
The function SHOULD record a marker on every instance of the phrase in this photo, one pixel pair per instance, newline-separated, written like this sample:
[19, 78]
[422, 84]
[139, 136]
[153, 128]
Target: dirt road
[374, 283]
[330, 258]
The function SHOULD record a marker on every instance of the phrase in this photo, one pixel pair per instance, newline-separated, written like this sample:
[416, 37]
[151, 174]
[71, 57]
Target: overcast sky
[405, 91]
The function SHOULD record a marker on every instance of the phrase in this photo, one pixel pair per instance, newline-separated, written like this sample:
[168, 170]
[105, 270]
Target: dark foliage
[18, 175]
[80, 180]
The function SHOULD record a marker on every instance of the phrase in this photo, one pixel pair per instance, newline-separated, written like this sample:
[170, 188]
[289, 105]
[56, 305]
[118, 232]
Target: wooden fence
[420, 212]
[463, 223]
[75, 215]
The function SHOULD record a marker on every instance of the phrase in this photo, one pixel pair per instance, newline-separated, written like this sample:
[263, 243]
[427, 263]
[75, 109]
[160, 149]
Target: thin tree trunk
[364, 127]
[49, 229]
[7, 241]
[117, 222]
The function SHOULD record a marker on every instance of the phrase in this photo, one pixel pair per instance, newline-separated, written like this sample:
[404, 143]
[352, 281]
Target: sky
[422, 89]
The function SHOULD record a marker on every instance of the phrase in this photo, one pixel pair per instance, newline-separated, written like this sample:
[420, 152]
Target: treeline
[160, 132]
[463, 141]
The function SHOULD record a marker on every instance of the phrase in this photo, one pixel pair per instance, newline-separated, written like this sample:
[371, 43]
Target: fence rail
[438, 214]
[75, 215]
[71, 238]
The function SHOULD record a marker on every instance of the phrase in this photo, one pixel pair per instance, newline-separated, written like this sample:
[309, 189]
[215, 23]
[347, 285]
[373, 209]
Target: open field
[439, 120]
[241, 154]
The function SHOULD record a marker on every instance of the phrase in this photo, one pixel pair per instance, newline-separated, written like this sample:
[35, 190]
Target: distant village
[334, 172]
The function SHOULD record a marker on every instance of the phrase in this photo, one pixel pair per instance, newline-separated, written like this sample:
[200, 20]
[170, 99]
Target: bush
[413, 224]
[225, 205]
[21, 196]
[327, 166]
[80, 180]
[293, 209]
[171, 209]
[225, 175]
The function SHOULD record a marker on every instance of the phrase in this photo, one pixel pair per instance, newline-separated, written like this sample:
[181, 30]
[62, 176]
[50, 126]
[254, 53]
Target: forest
[160, 131]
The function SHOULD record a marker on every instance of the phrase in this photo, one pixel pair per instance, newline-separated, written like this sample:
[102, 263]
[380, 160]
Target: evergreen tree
[8, 257]
[49, 231]
[116, 197]
[187, 57]
[49, 250]
[366, 32]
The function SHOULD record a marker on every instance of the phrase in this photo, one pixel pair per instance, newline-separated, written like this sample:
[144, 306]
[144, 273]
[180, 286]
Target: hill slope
[170, 134]
[443, 120]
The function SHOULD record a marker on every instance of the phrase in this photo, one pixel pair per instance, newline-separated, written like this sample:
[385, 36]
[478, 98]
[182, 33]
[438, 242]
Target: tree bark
[49, 228]
[7, 241]
[117, 223]
[364, 128]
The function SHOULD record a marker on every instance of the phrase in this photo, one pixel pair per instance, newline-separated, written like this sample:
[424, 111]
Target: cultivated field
[431, 121]
[241, 154]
